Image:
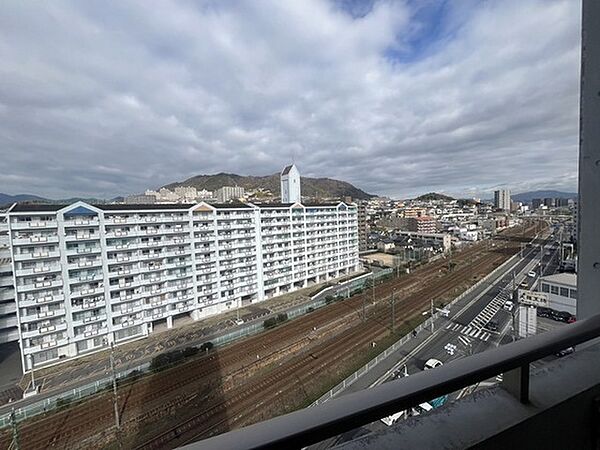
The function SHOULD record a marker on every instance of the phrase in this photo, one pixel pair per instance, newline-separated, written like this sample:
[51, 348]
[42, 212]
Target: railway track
[242, 403]
[65, 428]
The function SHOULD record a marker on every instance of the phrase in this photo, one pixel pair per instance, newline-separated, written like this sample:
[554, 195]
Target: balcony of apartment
[93, 316]
[130, 308]
[30, 315]
[83, 291]
[171, 264]
[38, 269]
[33, 224]
[82, 236]
[113, 245]
[36, 254]
[176, 241]
[47, 327]
[128, 321]
[203, 237]
[203, 249]
[119, 219]
[87, 304]
[85, 277]
[185, 306]
[39, 238]
[41, 297]
[88, 221]
[83, 250]
[87, 331]
[34, 345]
[181, 275]
[126, 269]
[80, 263]
[29, 285]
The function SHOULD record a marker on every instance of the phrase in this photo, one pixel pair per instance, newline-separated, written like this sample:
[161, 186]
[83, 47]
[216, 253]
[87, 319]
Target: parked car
[508, 305]
[565, 352]
[572, 319]
[492, 325]
[561, 316]
[543, 312]
[432, 364]
[532, 274]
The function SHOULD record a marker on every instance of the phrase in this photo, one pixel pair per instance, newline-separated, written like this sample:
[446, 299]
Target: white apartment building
[9, 331]
[88, 275]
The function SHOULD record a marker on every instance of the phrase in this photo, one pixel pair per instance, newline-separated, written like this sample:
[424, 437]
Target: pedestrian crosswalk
[469, 331]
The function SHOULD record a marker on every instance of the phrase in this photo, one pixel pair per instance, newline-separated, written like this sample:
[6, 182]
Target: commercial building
[89, 275]
[536, 203]
[228, 193]
[290, 185]
[561, 289]
[502, 199]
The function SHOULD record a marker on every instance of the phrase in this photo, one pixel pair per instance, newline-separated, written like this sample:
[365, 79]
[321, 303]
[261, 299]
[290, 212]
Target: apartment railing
[309, 426]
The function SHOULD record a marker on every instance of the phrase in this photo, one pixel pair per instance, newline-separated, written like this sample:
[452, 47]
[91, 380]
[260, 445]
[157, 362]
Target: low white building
[561, 289]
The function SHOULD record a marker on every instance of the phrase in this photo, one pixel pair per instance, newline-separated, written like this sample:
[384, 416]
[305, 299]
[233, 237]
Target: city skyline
[397, 98]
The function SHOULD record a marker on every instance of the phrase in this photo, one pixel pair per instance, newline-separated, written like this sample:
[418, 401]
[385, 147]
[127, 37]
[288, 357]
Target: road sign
[533, 298]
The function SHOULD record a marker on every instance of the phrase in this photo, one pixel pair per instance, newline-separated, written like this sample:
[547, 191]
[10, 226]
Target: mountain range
[311, 187]
[526, 197]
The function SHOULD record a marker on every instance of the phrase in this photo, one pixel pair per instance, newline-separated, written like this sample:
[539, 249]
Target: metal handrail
[309, 426]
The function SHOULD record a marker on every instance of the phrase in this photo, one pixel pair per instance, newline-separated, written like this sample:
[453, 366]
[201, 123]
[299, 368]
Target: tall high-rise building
[363, 231]
[290, 185]
[90, 275]
[502, 199]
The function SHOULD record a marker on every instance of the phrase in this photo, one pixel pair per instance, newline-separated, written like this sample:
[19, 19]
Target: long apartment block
[88, 275]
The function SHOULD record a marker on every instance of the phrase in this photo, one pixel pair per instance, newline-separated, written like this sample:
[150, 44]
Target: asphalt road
[459, 331]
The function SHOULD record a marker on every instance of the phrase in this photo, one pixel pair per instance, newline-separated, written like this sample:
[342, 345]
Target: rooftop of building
[43, 207]
[566, 279]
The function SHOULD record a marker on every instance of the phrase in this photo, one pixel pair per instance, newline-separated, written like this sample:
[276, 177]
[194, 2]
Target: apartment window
[554, 290]
[564, 292]
[573, 293]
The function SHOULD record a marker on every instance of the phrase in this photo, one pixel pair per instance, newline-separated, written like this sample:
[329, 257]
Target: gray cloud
[112, 98]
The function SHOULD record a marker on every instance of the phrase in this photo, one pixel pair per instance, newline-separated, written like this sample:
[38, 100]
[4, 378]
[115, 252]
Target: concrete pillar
[588, 242]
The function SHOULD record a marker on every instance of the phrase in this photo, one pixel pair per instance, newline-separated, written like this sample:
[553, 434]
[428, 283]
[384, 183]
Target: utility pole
[115, 397]
[431, 316]
[15, 430]
[393, 310]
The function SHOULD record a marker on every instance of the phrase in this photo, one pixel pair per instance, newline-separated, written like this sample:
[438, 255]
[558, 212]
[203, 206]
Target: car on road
[565, 352]
[492, 325]
[532, 274]
[508, 305]
[524, 285]
[432, 363]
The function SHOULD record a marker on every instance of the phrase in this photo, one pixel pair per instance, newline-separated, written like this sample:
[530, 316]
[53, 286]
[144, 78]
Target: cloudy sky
[397, 97]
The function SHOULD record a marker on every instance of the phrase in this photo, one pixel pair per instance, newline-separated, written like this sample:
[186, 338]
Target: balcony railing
[312, 425]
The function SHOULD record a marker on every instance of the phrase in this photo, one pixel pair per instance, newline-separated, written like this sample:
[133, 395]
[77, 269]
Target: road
[464, 332]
